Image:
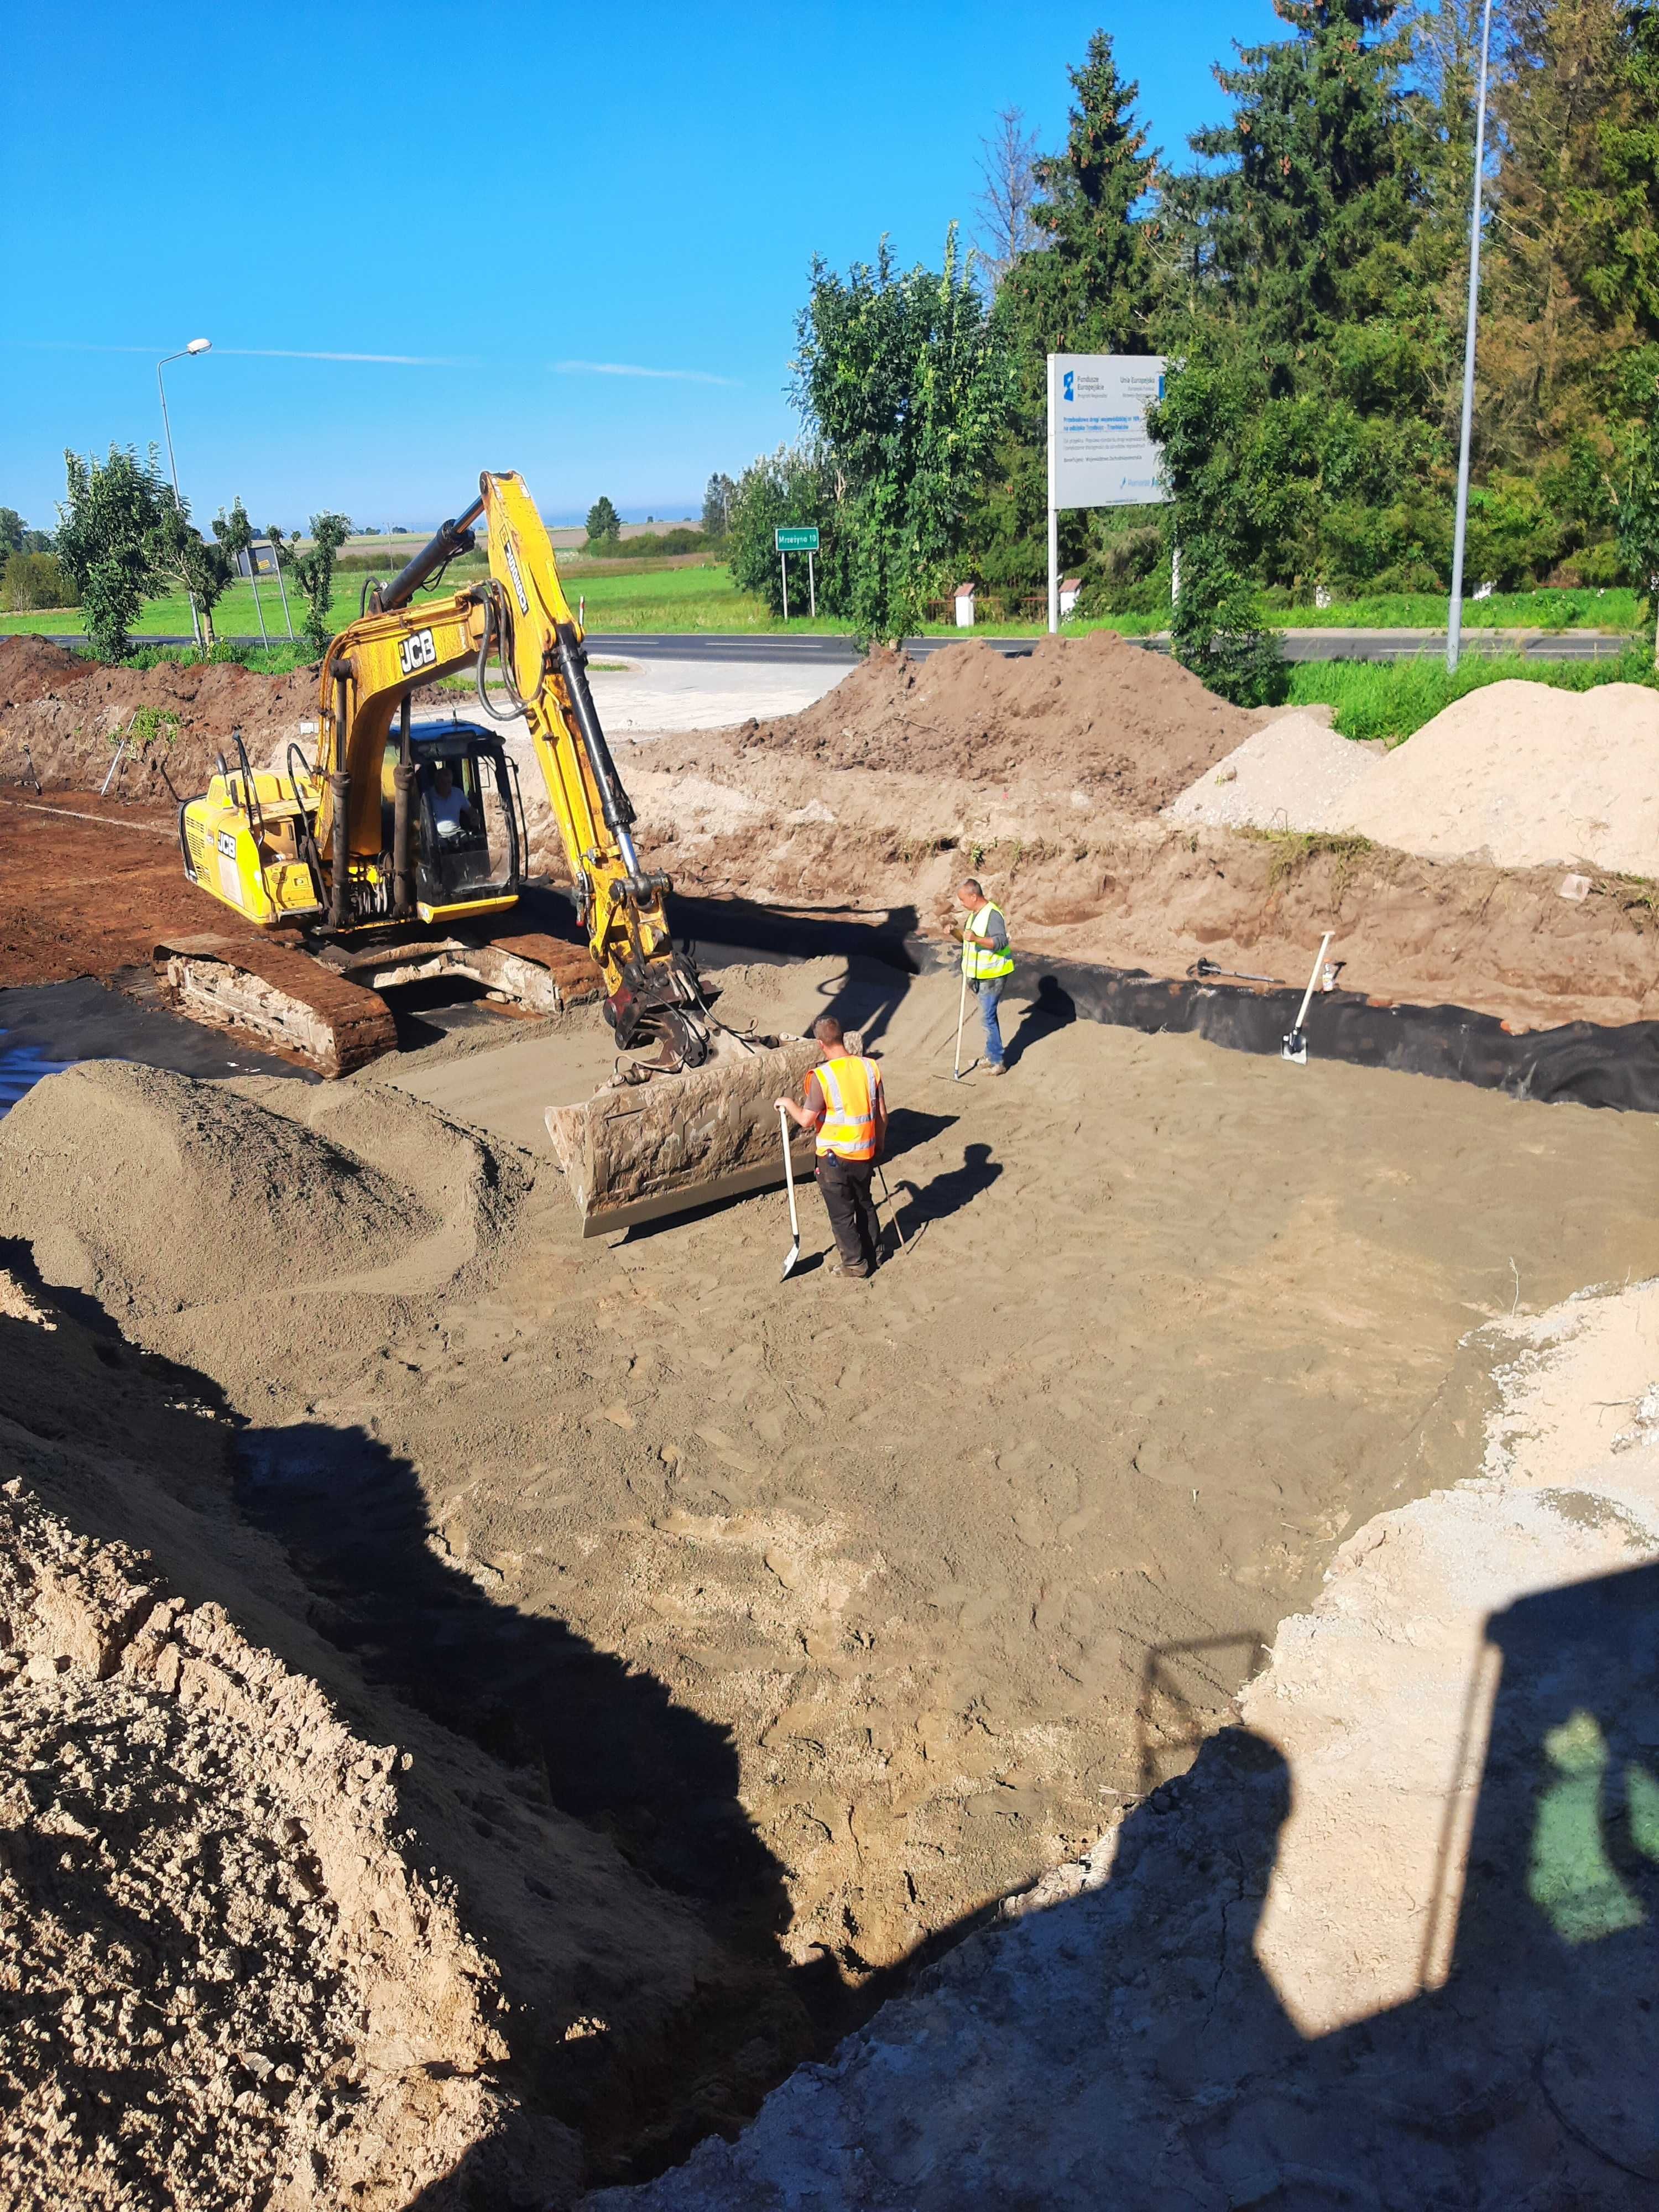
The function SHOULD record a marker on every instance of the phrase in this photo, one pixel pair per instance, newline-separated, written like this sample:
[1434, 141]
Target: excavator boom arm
[522, 621]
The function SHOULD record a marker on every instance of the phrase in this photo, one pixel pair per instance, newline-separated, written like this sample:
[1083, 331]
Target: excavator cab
[471, 839]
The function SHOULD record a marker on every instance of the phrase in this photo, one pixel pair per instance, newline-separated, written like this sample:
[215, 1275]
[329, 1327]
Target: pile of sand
[1291, 775]
[64, 713]
[156, 1192]
[220, 1981]
[1096, 713]
[1526, 776]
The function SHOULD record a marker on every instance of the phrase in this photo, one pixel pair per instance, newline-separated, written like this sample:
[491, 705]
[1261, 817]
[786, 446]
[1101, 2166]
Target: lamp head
[199, 346]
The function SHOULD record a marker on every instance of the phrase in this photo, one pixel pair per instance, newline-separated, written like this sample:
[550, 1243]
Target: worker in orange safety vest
[846, 1107]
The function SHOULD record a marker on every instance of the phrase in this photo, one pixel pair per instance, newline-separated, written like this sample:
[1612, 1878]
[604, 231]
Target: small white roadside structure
[963, 595]
[1069, 589]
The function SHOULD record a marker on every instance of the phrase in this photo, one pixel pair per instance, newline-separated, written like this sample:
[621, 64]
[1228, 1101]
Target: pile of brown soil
[220, 1980]
[1084, 881]
[1130, 727]
[63, 715]
[268, 1936]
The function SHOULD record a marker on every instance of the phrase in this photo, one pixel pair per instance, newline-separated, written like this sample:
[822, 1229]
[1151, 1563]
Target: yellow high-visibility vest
[849, 1127]
[979, 963]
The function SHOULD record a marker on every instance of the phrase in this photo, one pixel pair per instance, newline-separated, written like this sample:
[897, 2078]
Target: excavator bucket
[647, 1146]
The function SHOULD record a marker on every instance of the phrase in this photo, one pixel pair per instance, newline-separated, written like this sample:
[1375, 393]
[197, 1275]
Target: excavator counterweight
[395, 854]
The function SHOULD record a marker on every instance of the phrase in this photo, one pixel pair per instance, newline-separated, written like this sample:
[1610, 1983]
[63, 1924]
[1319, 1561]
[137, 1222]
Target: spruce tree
[1316, 190]
[1087, 285]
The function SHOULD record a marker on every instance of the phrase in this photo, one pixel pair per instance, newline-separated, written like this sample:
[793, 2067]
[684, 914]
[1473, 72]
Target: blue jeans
[989, 988]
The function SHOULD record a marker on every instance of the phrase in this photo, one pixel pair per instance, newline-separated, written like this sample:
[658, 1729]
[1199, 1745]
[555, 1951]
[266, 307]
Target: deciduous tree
[905, 384]
[313, 569]
[717, 505]
[1007, 168]
[107, 539]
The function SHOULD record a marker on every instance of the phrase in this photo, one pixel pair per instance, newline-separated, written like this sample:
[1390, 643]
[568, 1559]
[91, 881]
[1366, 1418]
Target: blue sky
[516, 199]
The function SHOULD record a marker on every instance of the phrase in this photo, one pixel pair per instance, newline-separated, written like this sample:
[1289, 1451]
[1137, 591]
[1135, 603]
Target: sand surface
[1390, 1943]
[1526, 775]
[1294, 775]
[900, 1556]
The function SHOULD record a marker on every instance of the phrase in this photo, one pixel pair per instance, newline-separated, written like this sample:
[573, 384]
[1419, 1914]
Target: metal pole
[1454, 609]
[811, 587]
[254, 578]
[277, 558]
[783, 563]
[1053, 513]
[167, 432]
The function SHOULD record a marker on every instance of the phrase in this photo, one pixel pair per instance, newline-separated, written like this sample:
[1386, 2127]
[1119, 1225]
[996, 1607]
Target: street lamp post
[1455, 611]
[195, 346]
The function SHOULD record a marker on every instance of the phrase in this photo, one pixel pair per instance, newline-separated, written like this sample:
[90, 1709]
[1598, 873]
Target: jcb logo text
[416, 651]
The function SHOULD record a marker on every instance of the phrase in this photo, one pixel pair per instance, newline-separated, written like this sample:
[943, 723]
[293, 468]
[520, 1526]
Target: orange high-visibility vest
[850, 1089]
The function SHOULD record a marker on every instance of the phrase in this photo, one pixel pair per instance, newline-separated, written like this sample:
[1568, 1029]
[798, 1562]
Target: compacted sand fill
[846, 1609]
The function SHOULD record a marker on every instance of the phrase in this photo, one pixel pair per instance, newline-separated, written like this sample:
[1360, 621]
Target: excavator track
[326, 1007]
[279, 995]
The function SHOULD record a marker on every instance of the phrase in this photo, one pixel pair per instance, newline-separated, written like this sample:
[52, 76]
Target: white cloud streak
[388, 359]
[633, 368]
[256, 353]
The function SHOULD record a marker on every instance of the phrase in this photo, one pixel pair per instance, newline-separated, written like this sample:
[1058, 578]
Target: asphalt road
[815, 647]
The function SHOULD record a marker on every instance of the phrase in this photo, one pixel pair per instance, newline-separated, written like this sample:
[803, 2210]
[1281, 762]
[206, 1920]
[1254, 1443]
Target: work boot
[859, 1273]
[995, 1068]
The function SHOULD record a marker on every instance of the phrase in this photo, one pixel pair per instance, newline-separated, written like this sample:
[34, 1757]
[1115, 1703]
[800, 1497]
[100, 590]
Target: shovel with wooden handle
[789, 1178]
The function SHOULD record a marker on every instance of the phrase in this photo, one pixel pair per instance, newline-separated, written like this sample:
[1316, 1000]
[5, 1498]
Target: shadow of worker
[1557, 1950]
[1532, 2074]
[1053, 1007]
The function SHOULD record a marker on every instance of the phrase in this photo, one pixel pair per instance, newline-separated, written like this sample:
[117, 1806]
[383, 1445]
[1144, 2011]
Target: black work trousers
[846, 1199]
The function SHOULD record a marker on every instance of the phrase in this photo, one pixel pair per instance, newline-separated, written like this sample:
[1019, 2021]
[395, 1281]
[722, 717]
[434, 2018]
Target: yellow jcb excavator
[391, 857]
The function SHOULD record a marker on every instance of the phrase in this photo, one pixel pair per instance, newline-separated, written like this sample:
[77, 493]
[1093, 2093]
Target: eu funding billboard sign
[1099, 453]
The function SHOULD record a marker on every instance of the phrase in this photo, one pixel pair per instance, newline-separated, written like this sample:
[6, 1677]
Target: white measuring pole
[1454, 609]
[103, 790]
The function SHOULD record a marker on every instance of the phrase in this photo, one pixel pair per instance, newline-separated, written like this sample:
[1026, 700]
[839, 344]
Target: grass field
[621, 596]
[1390, 699]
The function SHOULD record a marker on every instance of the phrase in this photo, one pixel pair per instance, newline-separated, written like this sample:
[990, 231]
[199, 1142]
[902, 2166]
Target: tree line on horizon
[1305, 273]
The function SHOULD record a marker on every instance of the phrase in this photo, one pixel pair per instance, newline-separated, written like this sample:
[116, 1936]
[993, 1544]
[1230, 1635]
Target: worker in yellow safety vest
[846, 1107]
[987, 962]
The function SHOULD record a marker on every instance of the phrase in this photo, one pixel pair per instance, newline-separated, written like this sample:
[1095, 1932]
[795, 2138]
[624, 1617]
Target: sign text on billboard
[1100, 453]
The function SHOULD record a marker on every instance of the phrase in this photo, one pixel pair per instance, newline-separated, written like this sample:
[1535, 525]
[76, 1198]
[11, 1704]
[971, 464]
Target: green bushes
[33, 580]
[648, 545]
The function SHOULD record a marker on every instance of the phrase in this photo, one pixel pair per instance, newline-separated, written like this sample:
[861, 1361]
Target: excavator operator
[450, 814]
